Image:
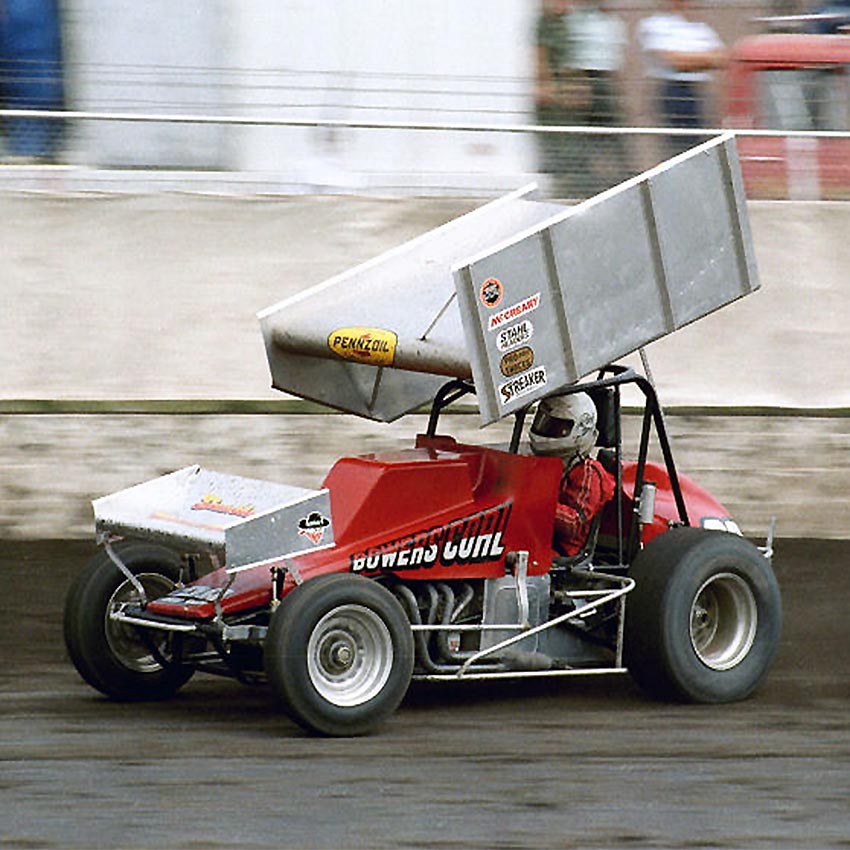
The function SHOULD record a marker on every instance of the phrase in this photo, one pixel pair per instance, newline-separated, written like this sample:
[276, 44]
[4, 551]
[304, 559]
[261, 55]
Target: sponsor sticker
[195, 594]
[471, 539]
[515, 311]
[313, 527]
[517, 361]
[211, 502]
[515, 335]
[374, 346]
[522, 384]
[491, 292]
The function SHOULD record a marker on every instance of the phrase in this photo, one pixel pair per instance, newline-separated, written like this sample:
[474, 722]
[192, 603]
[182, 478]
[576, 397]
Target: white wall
[440, 61]
[155, 56]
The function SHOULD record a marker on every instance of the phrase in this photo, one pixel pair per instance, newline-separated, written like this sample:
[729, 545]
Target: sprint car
[437, 562]
[441, 568]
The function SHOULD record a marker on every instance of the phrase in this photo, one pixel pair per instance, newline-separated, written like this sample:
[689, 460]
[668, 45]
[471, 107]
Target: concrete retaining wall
[760, 467]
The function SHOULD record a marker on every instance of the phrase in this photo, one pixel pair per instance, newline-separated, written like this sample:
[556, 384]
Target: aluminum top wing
[525, 297]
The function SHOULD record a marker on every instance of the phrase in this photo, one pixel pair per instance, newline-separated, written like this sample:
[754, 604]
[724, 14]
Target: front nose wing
[245, 520]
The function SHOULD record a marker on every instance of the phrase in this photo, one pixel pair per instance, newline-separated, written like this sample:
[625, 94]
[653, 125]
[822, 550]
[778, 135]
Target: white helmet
[564, 425]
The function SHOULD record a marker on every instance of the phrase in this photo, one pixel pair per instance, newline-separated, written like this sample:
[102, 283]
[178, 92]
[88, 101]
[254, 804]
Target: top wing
[526, 297]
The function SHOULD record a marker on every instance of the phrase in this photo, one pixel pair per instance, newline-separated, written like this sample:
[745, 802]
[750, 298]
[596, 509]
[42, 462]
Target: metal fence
[369, 156]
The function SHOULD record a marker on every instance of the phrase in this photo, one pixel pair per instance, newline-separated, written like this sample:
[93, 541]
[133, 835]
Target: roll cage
[606, 391]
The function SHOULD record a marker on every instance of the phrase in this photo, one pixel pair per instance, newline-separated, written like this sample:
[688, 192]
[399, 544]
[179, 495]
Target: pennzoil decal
[527, 305]
[522, 384]
[491, 292]
[517, 361]
[374, 346]
[469, 540]
[313, 527]
[211, 502]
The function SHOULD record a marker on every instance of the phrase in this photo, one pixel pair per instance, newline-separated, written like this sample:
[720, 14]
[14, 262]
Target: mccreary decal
[515, 335]
[469, 540]
[523, 384]
[513, 312]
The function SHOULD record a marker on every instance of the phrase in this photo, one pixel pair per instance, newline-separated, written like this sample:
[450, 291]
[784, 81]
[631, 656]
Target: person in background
[598, 45]
[681, 53]
[562, 95]
[833, 18]
[565, 426]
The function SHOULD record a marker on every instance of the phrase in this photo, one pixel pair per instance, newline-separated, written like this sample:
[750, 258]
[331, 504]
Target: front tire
[113, 657]
[704, 619]
[339, 654]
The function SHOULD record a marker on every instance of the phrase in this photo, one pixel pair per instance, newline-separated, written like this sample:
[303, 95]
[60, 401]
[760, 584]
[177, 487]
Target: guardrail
[797, 164]
[362, 124]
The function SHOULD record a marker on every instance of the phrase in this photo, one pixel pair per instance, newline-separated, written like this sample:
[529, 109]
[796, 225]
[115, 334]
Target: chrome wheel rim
[349, 655]
[724, 617]
[123, 640]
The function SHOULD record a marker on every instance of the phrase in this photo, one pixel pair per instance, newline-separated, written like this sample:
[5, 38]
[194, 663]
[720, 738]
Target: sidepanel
[607, 276]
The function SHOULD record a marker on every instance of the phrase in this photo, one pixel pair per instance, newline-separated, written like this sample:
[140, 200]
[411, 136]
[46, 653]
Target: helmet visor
[546, 425]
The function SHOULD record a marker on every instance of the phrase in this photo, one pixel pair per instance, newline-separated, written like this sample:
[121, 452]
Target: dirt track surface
[579, 763]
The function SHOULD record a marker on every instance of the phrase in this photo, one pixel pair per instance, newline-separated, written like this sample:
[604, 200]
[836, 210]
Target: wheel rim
[349, 655]
[123, 640]
[724, 616]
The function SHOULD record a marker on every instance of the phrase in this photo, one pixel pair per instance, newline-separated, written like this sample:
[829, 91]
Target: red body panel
[442, 510]
[700, 504]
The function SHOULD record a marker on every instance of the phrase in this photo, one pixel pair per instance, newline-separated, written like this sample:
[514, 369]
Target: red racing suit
[585, 488]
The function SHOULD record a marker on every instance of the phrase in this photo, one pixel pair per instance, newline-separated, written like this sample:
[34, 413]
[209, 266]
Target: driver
[565, 426]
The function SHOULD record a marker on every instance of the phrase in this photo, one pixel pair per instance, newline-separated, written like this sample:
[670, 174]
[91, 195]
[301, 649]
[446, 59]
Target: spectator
[681, 53]
[562, 95]
[599, 40]
[833, 18]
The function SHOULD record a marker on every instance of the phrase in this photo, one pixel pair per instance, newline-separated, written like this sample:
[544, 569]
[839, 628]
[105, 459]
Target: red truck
[799, 83]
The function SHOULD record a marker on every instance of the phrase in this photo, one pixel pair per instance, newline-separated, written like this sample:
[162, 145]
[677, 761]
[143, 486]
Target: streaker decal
[517, 361]
[211, 502]
[522, 384]
[313, 527]
[374, 346]
[515, 335]
[491, 292]
[469, 540]
[528, 305]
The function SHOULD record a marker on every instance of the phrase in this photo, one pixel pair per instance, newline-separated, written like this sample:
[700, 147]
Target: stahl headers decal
[515, 335]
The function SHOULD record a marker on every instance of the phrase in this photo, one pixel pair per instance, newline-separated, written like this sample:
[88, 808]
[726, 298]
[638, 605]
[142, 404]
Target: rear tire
[704, 619]
[339, 654]
[111, 656]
